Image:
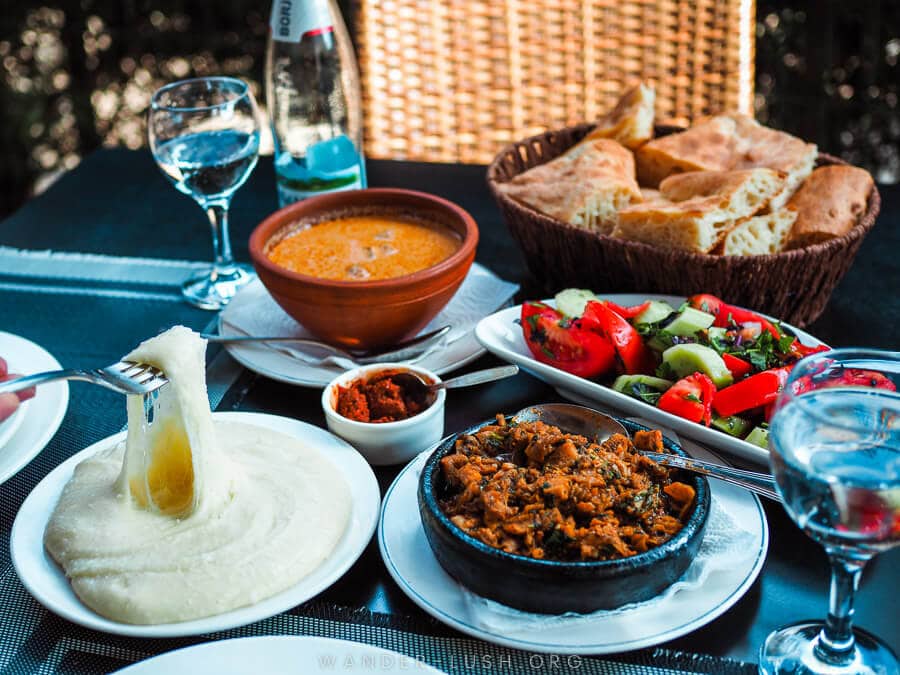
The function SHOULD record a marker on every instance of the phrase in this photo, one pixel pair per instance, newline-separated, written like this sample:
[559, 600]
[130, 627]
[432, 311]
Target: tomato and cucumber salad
[706, 361]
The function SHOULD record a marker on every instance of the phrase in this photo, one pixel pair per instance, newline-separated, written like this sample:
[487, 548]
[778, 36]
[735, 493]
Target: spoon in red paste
[423, 392]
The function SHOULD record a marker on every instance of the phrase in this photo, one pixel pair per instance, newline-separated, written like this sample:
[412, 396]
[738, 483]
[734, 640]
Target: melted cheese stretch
[172, 465]
[187, 519]
[168, 478]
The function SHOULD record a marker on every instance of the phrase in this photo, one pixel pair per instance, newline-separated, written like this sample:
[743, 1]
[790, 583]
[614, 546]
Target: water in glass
[204, 134]
[835, 453]
[209, 165]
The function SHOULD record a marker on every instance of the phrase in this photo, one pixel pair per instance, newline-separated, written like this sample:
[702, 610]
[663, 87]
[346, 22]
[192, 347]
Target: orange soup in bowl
[365, 248]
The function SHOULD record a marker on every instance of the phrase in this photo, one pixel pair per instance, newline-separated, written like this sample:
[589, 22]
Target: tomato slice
[632, 354]
[845, 377]
[565, 344]
[626, 312]
[726, 314]
[736, 365]
[753, 392]
[800, 350]
[691, 398]
[706, 303]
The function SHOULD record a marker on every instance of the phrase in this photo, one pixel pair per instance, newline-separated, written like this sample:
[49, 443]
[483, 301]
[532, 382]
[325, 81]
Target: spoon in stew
[597, 426]
[423, 393]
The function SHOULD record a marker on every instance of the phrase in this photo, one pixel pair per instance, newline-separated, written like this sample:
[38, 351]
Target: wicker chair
[456, 80]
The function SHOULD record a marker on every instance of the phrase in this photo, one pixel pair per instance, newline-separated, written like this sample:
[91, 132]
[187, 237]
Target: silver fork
[125, 377]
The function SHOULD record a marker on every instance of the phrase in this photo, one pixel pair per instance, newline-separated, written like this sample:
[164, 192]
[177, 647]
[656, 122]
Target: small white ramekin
[384, 443]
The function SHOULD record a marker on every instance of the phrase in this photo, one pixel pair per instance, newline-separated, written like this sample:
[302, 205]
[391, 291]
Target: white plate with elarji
[36, 420]
[47, 582]
[411, 563]
[501, 334]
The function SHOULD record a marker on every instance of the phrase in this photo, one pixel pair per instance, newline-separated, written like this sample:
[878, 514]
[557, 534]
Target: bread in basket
[792, 285]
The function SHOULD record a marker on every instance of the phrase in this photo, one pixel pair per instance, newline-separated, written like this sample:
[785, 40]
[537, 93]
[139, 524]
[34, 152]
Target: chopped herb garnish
[533, 321]
[642, 392]
[664, 370]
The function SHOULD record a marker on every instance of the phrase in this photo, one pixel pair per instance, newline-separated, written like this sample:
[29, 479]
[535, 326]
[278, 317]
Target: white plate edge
[175, 657]
[56, 401]
[597, 649]
[11, 424]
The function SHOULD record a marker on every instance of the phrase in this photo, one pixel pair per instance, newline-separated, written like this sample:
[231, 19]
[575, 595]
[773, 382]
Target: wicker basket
[456, 80]
[793, 285]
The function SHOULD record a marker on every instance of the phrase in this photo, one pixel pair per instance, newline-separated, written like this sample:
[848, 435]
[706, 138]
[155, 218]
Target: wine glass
[204, 134]
[835, 452]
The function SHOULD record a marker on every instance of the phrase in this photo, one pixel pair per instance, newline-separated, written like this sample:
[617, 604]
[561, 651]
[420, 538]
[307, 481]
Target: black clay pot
[548, 586]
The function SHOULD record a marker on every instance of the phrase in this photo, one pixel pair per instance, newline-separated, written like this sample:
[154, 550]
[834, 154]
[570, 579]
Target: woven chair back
[457, 80]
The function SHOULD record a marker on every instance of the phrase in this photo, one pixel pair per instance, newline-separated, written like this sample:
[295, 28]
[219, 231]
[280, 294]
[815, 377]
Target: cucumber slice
[571, 301]
[689, 321]
[656, 311]
[758, 436]
[692, 358]
[645, 388]
[623, 382]
[661, 341]
[731, 425]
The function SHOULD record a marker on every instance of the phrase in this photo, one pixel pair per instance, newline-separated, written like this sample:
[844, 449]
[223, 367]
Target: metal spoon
[422, 392]
[597, 426]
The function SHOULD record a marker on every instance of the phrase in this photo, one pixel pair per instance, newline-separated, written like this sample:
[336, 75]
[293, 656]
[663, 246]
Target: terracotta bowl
[551, 586]
[364, 314]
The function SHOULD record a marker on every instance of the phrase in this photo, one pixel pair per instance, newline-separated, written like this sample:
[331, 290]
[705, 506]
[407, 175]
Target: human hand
[9, 403]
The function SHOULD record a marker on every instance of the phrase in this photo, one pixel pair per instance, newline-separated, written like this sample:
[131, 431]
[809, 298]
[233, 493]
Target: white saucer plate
[280, 655]
[46, 581]
[37, 420]
[501, 335]
[243, 310]
[409, 560]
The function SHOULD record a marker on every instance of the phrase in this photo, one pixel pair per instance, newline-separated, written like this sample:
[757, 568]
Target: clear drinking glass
[835, 454]
[204, 134]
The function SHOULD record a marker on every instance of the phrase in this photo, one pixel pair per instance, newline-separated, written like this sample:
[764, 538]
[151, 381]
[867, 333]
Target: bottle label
[292, 19]
[292, 190]
[329, 165]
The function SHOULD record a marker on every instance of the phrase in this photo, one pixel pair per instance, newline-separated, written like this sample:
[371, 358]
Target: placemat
[88, 311]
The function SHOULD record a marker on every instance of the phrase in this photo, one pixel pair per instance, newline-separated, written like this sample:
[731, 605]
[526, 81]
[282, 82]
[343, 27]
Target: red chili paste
[377, 399]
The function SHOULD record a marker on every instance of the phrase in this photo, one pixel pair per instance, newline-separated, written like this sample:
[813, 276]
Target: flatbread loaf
[586, 186]
[727, 142]
[651, 196]
[706, 146]
[701, 208]
[631, 121]
[829, 204]
[760, 146]
[759, 235]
